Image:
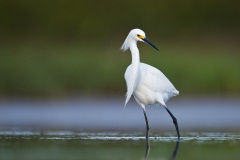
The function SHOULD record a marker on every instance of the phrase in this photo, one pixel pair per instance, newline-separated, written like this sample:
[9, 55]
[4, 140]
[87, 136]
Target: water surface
[62, 145]
[91, 114]
[90, 129]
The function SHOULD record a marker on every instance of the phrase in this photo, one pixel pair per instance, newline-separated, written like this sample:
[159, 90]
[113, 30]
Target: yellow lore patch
[141, 37]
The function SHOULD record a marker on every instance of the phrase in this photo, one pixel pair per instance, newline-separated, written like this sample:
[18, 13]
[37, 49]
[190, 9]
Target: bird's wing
[156, 80]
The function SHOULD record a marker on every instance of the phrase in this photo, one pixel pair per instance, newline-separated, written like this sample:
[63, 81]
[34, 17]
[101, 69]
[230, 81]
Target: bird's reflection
[174, 153]
[147, 149]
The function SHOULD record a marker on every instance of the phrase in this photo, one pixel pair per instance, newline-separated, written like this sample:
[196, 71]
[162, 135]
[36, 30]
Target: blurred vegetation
[58, 48]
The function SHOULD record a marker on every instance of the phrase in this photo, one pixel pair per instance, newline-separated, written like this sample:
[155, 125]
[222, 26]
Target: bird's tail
[176, 92]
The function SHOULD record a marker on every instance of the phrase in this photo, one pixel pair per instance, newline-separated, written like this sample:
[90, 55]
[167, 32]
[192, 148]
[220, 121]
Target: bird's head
[134, 36]
[137, 34]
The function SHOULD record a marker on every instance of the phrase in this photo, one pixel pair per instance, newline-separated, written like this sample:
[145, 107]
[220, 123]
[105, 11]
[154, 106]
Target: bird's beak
[149, 42]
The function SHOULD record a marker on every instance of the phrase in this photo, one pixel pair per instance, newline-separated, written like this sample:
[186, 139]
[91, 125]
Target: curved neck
[135, 55]
[135, 66]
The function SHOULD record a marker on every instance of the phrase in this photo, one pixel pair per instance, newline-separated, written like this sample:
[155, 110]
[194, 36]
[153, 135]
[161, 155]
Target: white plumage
[151, 86]
[147, 84]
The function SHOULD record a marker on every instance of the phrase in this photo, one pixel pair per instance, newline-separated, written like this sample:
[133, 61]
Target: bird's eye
[138, 35]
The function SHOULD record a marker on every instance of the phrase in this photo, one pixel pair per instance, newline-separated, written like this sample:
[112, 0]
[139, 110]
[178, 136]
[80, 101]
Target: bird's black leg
[147, 125]
[174, 122]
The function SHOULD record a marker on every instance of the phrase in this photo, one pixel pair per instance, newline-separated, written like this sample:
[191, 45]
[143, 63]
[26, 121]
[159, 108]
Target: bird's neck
[135, 55]
[135, 67]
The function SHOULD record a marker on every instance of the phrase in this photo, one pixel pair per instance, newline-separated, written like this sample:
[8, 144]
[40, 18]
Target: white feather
[125, 45]
[148, 84]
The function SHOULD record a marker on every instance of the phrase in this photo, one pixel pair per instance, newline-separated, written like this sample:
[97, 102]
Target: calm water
[62, 145]
[91, 114]
[82, 129]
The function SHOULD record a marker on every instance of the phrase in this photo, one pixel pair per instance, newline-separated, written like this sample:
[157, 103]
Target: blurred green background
[62, 48]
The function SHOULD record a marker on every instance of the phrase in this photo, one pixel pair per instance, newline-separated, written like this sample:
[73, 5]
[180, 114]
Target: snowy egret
[147, 84]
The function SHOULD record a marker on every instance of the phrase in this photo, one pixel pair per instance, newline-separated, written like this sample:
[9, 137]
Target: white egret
[147, 84]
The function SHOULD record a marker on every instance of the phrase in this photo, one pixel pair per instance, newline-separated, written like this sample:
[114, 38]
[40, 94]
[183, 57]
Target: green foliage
[70, 70]
[65, 47]
[70, 21]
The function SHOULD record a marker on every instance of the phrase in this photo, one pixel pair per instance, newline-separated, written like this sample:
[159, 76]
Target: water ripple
[116, 136]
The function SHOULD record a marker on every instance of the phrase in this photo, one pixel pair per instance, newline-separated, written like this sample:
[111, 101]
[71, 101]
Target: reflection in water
[147, 148]
[175, 151]
[174, 154]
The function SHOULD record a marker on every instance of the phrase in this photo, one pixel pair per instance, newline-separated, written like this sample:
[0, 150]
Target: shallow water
[76, 129]
[91, 114]
[60, 145]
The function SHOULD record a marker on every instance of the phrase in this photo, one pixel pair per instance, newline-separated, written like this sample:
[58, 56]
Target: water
[61, 145]
[89, 129]
[91, 114]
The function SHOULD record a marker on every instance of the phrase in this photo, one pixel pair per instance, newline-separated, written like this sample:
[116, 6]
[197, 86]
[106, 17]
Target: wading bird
[147, 84]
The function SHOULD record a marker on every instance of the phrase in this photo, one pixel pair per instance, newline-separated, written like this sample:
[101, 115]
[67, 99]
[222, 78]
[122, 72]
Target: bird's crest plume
[125, 45]
[132, 33]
